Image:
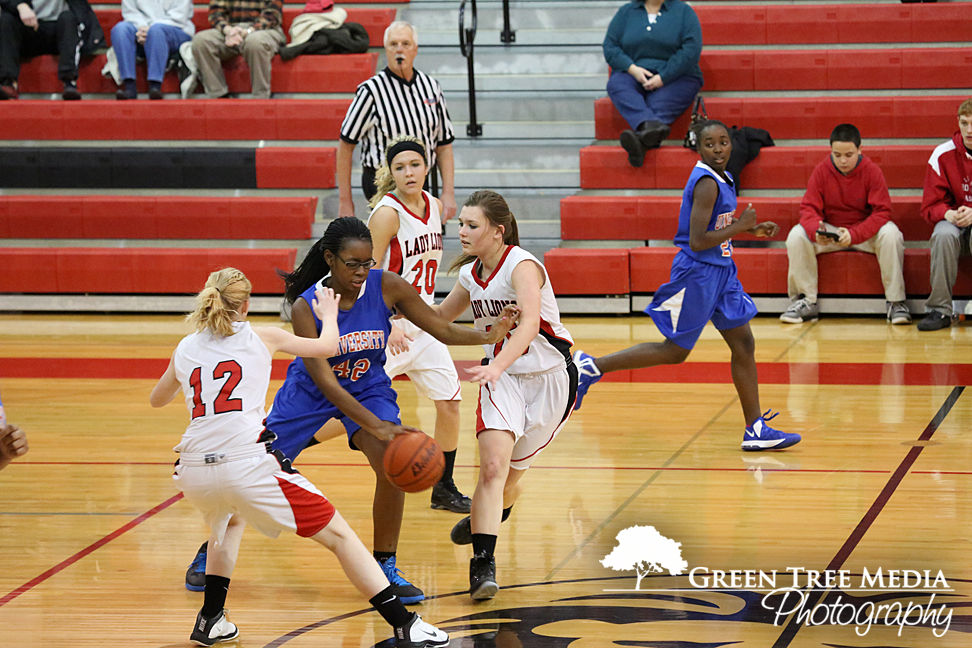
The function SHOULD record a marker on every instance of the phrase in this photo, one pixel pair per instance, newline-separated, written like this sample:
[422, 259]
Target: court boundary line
[64, 564]
[793, 624]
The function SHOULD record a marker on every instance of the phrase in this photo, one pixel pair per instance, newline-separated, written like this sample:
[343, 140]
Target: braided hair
[314, 268]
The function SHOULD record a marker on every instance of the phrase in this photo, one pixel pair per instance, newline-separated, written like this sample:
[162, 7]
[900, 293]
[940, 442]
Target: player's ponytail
[384, 182]
[498, 213]
[314, 268]
[220, 302]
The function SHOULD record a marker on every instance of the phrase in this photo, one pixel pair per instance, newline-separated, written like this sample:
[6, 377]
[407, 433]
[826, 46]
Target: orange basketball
[414, 462]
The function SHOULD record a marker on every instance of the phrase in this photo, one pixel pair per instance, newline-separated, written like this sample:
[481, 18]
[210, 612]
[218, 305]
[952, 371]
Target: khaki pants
[887, 244]
[948, 243]
[258, 49]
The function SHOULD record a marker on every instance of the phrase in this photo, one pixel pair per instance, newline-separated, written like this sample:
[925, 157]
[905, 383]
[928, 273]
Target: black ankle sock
[506, 514]
[450, 463]
[483, 543]
[391, 608]
[130, 87]
[382, 556]
[216, 589]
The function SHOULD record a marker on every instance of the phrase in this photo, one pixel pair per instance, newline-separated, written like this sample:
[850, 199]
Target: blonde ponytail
[220, 301]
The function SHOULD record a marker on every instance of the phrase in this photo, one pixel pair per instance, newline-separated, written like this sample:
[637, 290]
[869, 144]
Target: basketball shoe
[462, 533]
[211, 631]
[196, 574]
[482, 577]
[446, 497]
[407, 592]
[760, 436]
[587, 375]
[419, 634]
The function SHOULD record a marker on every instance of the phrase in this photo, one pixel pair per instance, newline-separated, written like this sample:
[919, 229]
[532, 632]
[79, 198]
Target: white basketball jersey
[416, 252]
[225, 383]
[487, 297]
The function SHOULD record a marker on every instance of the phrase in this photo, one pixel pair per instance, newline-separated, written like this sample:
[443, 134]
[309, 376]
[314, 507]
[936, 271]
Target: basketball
[414, 462]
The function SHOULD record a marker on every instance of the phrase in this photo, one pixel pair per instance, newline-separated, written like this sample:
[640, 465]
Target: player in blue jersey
[354, 387]
[704, 287]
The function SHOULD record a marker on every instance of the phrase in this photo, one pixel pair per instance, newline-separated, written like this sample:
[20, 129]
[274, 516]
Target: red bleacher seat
[811, 117]
[156, 217]
[108, 119]
[334, 73]
[292, 2]
[295, 168]
[587, 272]
[777, 167]
[843, 23]
[374, 20]
[655, 218]
[136, 270]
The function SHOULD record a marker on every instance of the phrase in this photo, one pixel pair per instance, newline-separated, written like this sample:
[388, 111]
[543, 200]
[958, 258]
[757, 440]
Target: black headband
[404, 145]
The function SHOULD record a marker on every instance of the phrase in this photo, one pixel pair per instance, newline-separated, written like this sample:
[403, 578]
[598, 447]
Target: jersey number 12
[233, 372]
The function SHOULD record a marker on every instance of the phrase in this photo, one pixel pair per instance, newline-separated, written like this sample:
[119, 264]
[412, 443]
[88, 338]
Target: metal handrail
[507, 36]
[467, 36]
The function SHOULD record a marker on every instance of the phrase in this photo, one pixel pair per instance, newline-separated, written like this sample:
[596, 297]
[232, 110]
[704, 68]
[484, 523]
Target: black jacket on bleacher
[92, 35]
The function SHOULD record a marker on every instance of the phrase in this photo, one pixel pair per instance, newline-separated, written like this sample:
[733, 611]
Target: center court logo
[810, 597]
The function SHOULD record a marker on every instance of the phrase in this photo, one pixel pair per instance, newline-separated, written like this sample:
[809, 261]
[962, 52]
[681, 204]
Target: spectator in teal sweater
[653, 48]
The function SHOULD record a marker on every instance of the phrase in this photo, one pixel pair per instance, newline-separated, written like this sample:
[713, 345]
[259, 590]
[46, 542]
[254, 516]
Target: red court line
[34, 582]
[770, 373]
[310, 464]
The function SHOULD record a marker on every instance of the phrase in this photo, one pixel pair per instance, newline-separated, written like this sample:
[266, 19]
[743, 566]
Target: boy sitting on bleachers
[846, 207]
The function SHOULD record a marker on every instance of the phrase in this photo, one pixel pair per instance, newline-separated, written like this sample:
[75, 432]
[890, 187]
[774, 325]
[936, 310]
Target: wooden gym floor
[95, 539]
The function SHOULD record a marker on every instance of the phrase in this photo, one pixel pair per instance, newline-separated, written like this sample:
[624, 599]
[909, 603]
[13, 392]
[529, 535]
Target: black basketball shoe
[446, 497]
[196, 574]
[482, 577]
[462, 533]
[212, 631]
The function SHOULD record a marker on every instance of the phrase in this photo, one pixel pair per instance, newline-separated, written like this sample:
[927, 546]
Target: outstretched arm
[325, 345]
[403, 297]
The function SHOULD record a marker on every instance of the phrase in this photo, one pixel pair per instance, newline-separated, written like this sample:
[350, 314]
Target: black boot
[652, 133]
[631, 142]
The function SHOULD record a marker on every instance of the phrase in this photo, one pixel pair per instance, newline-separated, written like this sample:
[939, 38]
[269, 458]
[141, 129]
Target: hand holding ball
[414, 462]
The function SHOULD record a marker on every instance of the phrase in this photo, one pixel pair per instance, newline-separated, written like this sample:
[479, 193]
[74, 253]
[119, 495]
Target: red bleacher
[810, 117]
[335, 73]
[210, 119]
[135, 270]
[655, 218]
[778, 167]
[844, 23]
[155, 217]
[373, 20]
[762, 271]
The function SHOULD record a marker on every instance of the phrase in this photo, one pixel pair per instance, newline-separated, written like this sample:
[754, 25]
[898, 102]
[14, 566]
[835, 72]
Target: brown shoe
[8, 91]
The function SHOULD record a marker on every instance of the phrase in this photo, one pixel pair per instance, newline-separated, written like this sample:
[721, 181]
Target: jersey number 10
[233, 372]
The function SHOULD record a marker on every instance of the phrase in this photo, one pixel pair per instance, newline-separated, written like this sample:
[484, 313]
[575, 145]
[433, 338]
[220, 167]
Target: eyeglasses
[354, 265]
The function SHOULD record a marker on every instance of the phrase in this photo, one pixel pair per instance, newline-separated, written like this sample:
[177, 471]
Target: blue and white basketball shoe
[587, 375]
[760, 436]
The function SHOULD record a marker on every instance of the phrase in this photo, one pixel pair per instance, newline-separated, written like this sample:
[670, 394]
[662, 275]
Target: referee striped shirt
[386, 106]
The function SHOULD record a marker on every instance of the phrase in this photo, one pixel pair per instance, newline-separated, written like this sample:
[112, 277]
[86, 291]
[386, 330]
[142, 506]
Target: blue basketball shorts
[298, 413]
[696, 294]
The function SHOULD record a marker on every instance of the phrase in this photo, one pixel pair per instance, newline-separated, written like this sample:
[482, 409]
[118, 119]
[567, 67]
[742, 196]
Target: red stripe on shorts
[312, 512]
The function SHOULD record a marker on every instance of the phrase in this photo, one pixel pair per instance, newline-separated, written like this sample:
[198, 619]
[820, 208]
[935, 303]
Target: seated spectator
[155, 29]
[13, 442]
[846, 207]
[946, 203]
[30, 28]
[248, 28]
[653, 48]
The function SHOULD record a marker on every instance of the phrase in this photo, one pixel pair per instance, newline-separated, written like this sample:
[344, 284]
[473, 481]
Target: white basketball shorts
[534, 407]
[263, 490]
[427, 364]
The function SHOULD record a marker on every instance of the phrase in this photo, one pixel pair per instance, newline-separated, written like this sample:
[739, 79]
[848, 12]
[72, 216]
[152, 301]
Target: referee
[399, 100]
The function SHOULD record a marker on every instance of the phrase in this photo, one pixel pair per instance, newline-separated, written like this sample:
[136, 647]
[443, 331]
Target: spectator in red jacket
[846, 207]
[947, 204]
